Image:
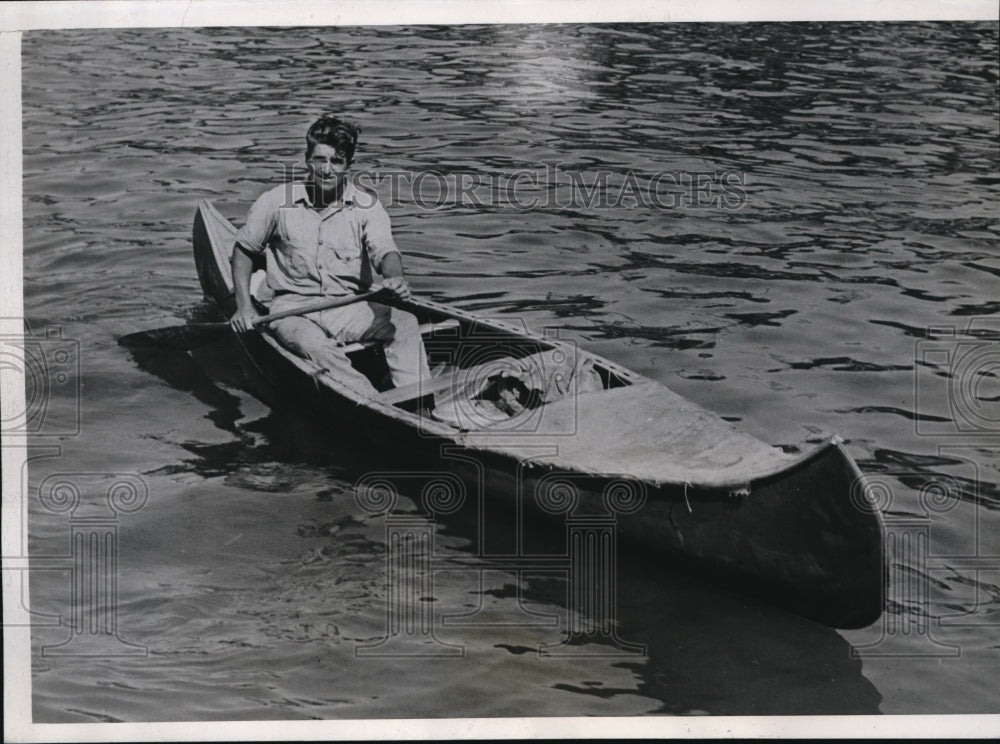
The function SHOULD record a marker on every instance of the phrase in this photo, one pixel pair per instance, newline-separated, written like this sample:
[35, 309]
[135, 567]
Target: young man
[324, 238]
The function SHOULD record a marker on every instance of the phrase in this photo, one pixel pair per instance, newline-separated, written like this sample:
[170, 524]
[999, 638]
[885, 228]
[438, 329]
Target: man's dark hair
[342, 136]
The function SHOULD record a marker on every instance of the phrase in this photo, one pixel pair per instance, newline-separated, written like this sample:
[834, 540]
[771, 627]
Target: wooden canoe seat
[425, 330]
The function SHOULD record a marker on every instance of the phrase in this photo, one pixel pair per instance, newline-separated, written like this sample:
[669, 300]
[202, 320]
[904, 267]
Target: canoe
[532, 420]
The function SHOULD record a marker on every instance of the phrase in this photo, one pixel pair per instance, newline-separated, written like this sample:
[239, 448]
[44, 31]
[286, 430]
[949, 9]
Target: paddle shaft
[326, 305]
[193, 335]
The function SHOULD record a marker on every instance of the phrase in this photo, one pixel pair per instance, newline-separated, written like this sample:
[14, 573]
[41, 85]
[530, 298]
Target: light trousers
[318, 337]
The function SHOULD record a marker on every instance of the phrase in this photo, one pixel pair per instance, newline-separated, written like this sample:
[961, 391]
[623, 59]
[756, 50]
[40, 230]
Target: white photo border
[17, 17]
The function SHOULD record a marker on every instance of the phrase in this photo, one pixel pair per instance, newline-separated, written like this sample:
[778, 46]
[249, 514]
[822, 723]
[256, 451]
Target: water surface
[867, 156]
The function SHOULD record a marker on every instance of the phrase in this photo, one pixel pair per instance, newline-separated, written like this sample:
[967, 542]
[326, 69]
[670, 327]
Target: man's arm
[392, 272]
[383, 251]
[246, 313]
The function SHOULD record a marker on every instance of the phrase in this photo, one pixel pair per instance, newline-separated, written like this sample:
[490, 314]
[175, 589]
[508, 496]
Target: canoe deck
[648, 433]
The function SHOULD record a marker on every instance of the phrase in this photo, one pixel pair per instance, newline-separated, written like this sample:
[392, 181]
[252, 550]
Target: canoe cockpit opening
[500, 374]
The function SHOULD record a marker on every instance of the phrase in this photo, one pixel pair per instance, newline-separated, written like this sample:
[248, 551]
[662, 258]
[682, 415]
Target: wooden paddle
[193, 335]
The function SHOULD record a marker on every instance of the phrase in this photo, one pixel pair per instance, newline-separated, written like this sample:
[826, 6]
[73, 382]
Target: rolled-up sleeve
[378, 234]
[261, 223]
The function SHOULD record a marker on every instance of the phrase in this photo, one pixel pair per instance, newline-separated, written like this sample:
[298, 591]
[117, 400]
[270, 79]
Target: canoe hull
[807, 536]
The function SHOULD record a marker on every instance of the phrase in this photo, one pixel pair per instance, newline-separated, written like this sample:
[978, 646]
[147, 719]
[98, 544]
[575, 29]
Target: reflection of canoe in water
[572, 433]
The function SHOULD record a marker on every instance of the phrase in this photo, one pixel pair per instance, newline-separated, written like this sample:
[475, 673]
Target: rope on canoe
[686, 485]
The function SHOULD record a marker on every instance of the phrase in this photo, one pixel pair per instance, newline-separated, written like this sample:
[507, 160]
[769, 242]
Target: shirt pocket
[345, 241]
[297, 244]
[297, 231]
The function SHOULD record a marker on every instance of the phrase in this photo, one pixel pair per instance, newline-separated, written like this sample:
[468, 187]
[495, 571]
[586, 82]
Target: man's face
[327, 168]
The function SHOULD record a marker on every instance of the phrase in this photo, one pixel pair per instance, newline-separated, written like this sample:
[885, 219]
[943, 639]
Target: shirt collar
[300, 195]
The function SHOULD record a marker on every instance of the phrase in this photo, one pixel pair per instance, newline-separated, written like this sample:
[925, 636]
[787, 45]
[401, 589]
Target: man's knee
[404, 323]
[299, 334]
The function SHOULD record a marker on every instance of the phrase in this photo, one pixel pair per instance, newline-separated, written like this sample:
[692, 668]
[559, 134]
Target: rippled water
[868, 157]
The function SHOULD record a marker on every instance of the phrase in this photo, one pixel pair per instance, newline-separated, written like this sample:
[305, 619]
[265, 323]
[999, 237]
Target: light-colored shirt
[321, 253]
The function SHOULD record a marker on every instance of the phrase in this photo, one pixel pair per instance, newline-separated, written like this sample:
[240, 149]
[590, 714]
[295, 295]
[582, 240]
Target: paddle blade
[193, 335]
[184, 337]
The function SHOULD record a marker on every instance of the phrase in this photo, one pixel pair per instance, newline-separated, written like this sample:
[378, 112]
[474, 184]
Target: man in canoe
[323, 239]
